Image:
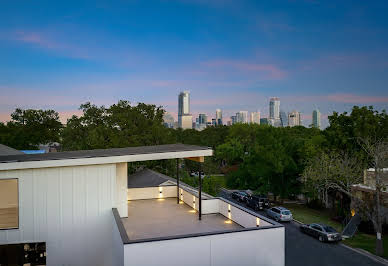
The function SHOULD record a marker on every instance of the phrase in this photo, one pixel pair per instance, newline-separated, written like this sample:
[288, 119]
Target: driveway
[304, 250]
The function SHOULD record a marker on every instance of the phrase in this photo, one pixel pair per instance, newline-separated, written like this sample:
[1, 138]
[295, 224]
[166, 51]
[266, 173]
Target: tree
[120, 125]
[377, 151]
[30, 128]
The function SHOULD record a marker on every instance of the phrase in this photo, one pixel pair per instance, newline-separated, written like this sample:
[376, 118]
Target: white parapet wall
[243, 248]
[151, 192]
[209, 205]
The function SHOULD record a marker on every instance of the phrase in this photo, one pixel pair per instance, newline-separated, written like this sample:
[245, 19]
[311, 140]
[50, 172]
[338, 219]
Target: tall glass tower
[316, 118]
[184, 116]
[219, 117]
[274, 108]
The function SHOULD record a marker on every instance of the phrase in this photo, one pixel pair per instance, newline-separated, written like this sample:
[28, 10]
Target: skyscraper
[294, 119]
[184, 116]
[255, 118]
[316, 118]
[219, 117]
[202, 119]
[283, 119]
[242, 117]
[274, 108]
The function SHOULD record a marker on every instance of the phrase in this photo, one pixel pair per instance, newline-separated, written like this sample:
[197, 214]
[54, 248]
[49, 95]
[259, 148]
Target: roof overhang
[108, 156]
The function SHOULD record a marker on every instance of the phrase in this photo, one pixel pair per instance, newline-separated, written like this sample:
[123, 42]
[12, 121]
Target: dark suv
[241, 196]
[258, 202]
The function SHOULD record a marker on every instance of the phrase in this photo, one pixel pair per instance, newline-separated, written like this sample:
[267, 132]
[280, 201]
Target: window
[317, 227]
[9, 204]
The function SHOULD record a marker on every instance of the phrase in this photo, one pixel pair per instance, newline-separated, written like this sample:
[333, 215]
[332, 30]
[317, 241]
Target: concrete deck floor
[161, 218]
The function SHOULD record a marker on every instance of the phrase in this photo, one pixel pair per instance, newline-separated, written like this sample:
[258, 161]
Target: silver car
[280, 214]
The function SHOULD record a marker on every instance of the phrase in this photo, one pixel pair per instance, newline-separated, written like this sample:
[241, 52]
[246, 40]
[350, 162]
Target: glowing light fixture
[257, 221]
[228, 221]
[194, 202]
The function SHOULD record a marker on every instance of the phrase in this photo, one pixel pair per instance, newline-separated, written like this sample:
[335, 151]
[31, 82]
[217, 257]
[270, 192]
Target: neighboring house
[368, 187]
[82, 208]
[5, 150]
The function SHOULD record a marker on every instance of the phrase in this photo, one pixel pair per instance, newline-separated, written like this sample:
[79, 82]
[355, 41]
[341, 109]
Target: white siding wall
[257, 247]
[122, 186]
[151, 192]
[69, 208]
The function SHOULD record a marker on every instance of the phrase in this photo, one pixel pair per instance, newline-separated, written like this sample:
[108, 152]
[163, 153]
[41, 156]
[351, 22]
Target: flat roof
[7, 151]
[102, 156]
[156, 218]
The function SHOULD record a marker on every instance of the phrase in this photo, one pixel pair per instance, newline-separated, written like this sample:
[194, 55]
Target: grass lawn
[360, 240]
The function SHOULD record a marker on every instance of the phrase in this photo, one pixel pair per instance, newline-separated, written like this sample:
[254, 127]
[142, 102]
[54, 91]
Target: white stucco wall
[151, 192]
[239, 216]
[121, 189]
[256, 247]
[69, 208]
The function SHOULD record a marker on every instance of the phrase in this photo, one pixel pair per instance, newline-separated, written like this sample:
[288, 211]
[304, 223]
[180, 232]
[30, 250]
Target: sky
[232, 55]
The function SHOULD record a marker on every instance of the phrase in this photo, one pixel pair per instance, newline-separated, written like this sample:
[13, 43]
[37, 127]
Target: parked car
[240, 196]
[280, 214]
[324, 233]
[258, 202]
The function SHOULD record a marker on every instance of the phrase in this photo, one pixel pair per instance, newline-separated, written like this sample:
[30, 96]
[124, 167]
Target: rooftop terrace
[156, 218]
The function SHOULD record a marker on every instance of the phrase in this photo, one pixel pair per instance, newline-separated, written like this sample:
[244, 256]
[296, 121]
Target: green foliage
[362, 122]
[120, 125]
[29, 128]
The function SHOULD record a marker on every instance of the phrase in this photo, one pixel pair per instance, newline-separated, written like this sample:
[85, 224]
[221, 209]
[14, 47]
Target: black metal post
[200, 194]
[177, 181]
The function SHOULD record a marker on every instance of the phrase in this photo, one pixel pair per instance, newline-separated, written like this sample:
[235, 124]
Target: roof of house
[102, 156]
[6, 151]
[146, 178]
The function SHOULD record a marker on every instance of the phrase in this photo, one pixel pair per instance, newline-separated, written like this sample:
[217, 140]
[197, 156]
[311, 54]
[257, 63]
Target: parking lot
[302, 249]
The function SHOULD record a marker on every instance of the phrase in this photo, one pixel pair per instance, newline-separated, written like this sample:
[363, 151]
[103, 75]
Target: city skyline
[230, 55]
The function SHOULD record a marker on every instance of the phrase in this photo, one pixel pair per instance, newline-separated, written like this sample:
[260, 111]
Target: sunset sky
[232, 55]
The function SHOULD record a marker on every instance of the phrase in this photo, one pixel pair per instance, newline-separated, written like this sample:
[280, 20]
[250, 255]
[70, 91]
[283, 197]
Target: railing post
[177, 181]
[200, 193]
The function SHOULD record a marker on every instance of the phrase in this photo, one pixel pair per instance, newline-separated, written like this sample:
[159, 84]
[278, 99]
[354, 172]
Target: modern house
[84, 209]
[366, 190]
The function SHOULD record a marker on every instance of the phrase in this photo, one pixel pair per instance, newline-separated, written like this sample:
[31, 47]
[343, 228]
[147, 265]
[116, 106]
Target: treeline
[256, 157]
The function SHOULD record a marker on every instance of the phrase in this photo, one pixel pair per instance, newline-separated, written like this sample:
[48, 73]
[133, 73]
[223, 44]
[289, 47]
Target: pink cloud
[48, 42]
[270, 71]
[352, 98]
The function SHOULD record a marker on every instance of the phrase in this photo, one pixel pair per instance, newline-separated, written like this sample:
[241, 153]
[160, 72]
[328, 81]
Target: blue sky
[232, 55]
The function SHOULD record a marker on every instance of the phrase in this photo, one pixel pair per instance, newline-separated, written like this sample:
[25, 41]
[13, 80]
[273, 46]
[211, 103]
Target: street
[302, 249]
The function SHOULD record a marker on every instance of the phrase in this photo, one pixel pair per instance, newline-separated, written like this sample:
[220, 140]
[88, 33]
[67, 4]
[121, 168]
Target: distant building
[283, 119]
[264, 121]
[274, 108]
[274, 122]
[255, 118]
[202, 122]
[168, 120]
[294, 119]
[219, 117]
[317, 119]
[233, 119]
[202, 119]
[214, 122]
[185, 119]
[242, 117]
